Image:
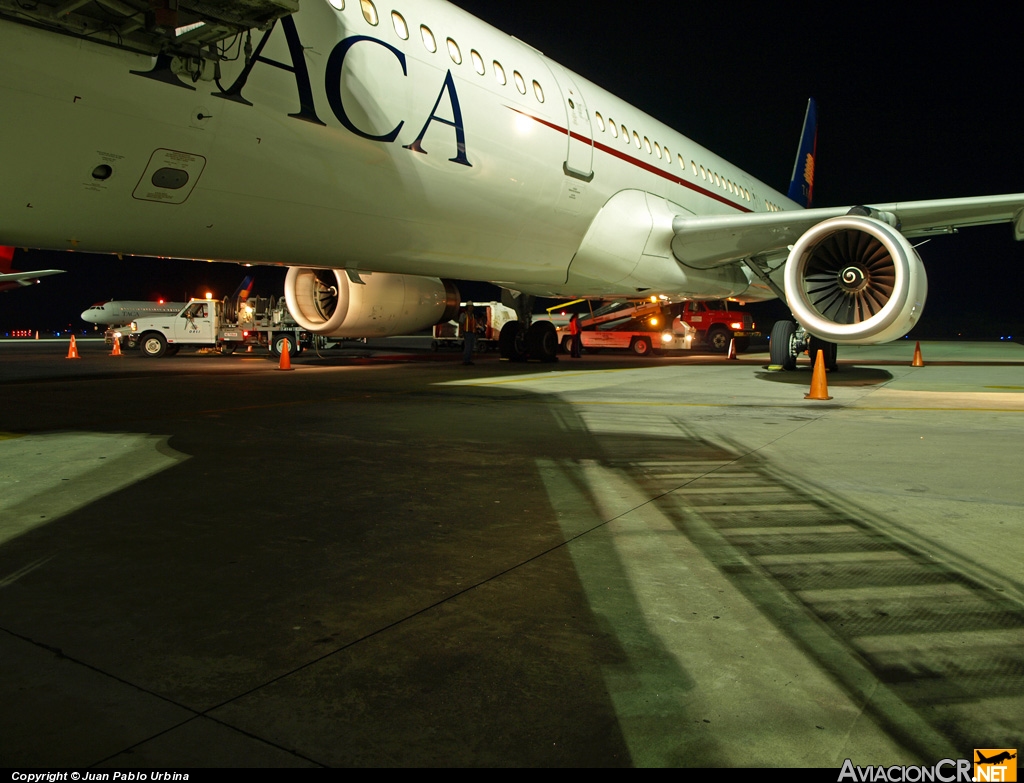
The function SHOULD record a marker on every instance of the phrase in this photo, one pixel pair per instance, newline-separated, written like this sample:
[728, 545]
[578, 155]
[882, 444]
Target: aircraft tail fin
[244, 288]
[801, 185]
[6, 258]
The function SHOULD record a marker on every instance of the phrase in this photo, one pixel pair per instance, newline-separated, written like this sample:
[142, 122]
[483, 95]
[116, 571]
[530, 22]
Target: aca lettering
[332, 84]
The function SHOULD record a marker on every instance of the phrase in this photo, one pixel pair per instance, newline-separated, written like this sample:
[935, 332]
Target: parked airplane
[380, 151]
[10, 278]
[114, 313]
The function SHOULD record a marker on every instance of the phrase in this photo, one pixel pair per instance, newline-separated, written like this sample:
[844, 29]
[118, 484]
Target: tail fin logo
[809, 171]
[998, 765]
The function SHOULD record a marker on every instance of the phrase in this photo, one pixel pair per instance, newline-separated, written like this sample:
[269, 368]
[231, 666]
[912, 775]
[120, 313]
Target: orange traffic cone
[918, 361]
[73, 350]
[732, 349]
[286, 357]
[819, 386]
[117, 347]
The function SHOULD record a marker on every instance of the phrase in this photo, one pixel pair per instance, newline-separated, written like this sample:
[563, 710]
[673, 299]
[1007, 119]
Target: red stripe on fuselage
[638, 163]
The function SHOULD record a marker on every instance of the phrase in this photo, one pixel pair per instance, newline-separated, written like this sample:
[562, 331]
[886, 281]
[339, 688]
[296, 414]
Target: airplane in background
[10, 278]
[121, 313]
[382, 151]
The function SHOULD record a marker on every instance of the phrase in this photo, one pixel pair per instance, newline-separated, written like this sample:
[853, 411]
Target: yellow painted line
[546, 377]
[849, 407]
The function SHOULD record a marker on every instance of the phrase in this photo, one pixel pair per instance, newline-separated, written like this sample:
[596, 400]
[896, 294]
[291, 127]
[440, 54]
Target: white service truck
[214, 323]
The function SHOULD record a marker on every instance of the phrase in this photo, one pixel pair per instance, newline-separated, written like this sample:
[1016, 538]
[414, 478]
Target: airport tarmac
[385, 558]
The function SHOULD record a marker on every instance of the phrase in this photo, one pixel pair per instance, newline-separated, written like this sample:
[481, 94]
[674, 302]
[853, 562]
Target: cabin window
[539, 92]
[636, 139]
[428, 38]
[369, 11]
[613, 128]
[400, 26]
[600, 120]
[625, 134]
[647, 146]
[520, 84]
[339, 5]
[703, 173]
[454, 52]
[668, 155]
[499, 73]
[478, 61]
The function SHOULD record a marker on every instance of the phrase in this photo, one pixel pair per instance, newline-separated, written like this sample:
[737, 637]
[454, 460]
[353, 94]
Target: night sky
[914, 103]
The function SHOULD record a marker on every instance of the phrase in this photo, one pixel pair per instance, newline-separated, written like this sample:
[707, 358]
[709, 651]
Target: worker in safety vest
[575, 341]
[467, 328]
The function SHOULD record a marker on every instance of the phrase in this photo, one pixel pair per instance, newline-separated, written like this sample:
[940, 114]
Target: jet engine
[329, 303]
[855, 280]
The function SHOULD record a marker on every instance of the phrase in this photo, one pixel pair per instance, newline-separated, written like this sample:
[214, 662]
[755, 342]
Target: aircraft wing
[705, 242]
[28, 278]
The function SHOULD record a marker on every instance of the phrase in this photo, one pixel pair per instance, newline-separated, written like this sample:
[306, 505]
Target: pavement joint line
[58, 652]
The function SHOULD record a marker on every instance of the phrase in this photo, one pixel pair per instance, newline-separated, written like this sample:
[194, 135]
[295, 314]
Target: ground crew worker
[467, 326]
[575, 339]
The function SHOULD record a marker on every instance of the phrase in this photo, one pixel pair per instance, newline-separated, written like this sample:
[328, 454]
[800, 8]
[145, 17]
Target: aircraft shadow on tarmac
[436, 607]
[905, 628]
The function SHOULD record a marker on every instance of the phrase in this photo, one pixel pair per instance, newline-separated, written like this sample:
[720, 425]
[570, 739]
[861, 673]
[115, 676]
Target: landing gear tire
[227, 349]
[567, 344]
[542, 342]
[718, 340]
[742, 343]
[781, 349]
[641, 346]
[172, 350]
[512, 342]
[154, 345]
[829, 350]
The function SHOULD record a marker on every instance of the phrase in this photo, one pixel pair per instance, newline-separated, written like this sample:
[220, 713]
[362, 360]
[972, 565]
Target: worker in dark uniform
[467, 326]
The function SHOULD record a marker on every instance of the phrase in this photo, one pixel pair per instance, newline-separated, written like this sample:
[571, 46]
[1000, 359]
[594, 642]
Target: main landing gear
[537, 342]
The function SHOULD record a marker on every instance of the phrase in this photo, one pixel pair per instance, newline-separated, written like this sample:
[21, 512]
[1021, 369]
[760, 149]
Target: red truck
[716, 323]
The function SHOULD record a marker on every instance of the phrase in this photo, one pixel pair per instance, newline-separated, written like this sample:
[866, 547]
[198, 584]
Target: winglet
[801, 186]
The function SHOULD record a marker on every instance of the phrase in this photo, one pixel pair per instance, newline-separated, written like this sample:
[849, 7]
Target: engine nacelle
[327, 302]
[855, 280]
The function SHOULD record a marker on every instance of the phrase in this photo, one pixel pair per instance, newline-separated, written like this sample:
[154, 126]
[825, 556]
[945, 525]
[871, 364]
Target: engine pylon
[819, 386]
[918, 361]
[286, 356]
[73, 350]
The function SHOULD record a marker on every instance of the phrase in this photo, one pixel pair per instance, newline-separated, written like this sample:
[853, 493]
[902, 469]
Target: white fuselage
[369, 152]
[124, 312]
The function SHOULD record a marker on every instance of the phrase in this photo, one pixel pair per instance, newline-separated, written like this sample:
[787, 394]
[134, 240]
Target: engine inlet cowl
[855, 280]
